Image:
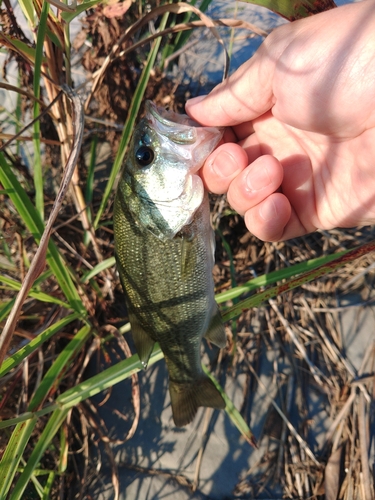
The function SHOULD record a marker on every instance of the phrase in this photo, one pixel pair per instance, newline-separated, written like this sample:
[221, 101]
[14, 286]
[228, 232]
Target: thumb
[242, 97]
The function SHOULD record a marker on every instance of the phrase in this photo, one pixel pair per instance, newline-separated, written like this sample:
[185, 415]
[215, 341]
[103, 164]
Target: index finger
[245, 95]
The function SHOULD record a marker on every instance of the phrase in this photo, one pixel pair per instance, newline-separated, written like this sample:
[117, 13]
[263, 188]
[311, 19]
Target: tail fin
[186, 398]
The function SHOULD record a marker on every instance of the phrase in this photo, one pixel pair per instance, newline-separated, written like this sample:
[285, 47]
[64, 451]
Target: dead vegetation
[305, 333]
[300, 330]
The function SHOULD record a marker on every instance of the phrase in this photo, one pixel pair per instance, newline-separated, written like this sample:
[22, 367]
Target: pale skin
[299, 151]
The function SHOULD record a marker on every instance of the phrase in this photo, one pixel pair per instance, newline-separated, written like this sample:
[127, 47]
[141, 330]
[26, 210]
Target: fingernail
[224, 165]
[268, 210]
[258, 179]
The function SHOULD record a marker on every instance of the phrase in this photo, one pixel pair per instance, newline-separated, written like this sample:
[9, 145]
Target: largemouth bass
[164, 247]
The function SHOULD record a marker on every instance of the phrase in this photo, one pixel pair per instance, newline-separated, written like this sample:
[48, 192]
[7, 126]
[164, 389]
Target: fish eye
[144, 156]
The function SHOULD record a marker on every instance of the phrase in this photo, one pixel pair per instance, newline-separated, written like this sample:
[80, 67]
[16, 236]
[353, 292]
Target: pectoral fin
[143, 342]
[216, 332]
[186, 398]
[188, 257]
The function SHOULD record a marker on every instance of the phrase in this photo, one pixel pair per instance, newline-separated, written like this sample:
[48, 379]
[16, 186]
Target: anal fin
[215, 332]
[143, 342]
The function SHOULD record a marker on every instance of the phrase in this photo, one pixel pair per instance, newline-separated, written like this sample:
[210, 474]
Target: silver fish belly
[164, 249]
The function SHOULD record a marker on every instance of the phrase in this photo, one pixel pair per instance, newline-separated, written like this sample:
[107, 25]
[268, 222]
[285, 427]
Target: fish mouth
[169, 118]
[182, 130]
[179, 128]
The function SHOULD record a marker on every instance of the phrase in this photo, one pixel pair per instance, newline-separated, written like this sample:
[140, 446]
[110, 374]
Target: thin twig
[19, 134]
[296, 460]
[30, 95]
[39, 259]
[207, 419]
[355, 278]
[345, 409]
[316, 373]
[205, 436]
[176, 8]
[292, 430]
[363, 443]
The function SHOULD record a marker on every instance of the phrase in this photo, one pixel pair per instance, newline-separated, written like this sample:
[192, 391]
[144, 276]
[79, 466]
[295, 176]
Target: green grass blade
[87, 4]
[89, 191]
[37, 163]
[105, 264]
[109, 377]
[64, 452]
[13, 454]
[48, 486]
[6, 308]
[322, 270]
[274, 276]
[38, 487]
[18, 113]
[26, 416]
[21, 47]
[31, 218]
[41, 445]
[55, 372]
[36, 294]
[130, 121]
[43, 276]
[113, 375]
[67, 52]
[90, 387]
[23, 431]
[28, 11]
[232, 411]
[20, 199]
[34, 344]
[59, 366]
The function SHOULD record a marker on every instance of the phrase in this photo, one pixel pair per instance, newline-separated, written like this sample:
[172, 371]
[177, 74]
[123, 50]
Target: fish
[164, 248]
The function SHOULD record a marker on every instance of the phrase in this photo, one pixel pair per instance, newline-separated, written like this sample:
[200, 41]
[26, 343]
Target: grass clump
[59, 292]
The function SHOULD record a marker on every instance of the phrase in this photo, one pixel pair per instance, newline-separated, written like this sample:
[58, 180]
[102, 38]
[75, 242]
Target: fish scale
[165, 256]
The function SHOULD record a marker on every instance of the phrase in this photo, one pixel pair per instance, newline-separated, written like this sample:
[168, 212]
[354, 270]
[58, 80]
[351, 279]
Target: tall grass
[65, 294]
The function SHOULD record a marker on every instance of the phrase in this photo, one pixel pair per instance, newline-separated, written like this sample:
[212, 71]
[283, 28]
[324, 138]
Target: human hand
[300, 151]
